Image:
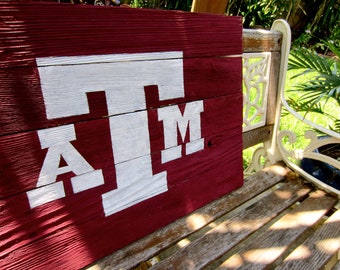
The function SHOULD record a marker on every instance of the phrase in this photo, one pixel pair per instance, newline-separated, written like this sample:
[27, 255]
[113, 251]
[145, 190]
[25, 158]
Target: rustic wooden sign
[114, 122]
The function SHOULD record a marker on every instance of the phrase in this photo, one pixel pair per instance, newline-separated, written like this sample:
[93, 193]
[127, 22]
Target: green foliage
[320, 25]
[310, 20]
[163, 4]
[324, 84]
[326, 22]
[259, 13]
[337, 125]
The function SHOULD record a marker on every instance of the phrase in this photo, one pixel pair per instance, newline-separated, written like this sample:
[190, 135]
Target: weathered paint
[109, 133]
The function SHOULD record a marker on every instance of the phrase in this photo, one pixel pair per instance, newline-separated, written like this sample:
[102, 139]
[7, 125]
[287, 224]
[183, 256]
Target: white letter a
[57, 140]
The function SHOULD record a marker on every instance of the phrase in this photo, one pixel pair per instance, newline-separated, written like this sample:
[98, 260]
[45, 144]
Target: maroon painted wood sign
[114, 122]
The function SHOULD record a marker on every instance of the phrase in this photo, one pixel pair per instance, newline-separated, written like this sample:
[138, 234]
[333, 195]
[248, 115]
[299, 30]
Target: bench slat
[232, 231]
[317, 250]
[261, 40]
[336, 266]
[275, 241]
[256, 136]
[152, 244]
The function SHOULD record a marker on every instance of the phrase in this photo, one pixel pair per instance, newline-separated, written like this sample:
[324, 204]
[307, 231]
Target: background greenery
[184, 5]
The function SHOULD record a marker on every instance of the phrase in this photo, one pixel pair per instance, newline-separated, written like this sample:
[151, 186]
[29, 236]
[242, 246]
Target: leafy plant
[324, 85]
[163, 4]
[326, 22]
[259, 13]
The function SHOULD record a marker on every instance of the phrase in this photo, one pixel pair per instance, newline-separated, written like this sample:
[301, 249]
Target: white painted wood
[87, 181]
[138, 191]
[65, 86]
[130, 136]
[173, 120]
[58, 141]
[106, 58]
[56, 135]
[194, 146]
[52, 138]
[45, 194]
[171, 153]
[65, 83]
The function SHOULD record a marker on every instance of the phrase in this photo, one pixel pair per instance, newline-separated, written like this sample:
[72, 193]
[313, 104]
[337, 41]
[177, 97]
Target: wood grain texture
[74, 130]
[23, 106]
[256, 136]
[271, 244]
[318, 249]
[224, 236]
[260, 40]
[23, 157]
[167, 236]
[273, 88]
[169, 32]
[336, 266]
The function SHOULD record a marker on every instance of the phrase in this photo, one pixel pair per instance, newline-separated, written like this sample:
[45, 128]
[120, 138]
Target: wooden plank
[68, 39]
[23, 157]
[256, 136]
[317, 250]
[25, 110]
[36, 42]
[109, 133]
[224, 236]
[20, 225]
[268, 246]
[336, 266]
[259, 40]
[273, 87]
[163, 238]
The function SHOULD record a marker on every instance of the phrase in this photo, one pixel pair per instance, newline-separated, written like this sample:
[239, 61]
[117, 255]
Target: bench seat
[275, 220]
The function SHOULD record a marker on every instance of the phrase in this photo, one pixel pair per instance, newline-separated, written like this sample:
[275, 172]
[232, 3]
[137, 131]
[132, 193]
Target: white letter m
[172, 119]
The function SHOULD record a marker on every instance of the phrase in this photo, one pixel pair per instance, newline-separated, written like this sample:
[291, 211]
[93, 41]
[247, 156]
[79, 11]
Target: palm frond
[311, 62]
[333, 48]
[336, 126]
[315, 93]
[306, 107]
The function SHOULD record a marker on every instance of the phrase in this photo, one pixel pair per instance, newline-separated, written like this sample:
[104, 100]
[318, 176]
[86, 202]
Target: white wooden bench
[277, 220]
